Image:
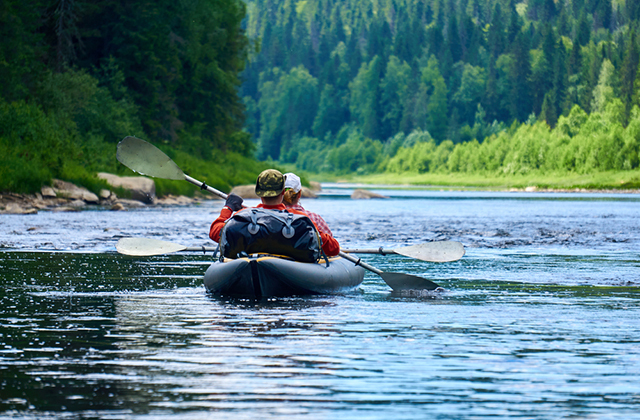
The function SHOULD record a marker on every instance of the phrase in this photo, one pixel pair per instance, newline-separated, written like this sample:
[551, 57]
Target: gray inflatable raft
[258, 276]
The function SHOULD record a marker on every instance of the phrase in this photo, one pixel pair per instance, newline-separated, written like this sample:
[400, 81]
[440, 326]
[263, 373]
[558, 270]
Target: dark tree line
[76, 76]
[177, 62]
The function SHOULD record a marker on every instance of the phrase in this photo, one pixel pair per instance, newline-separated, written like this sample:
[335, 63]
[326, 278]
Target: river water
[539, 320]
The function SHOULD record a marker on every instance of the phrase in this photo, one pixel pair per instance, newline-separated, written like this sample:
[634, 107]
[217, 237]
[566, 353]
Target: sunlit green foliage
[580, 143]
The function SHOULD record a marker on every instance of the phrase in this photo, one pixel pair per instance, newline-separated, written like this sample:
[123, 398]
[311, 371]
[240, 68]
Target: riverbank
[67, 197]
[606, 182]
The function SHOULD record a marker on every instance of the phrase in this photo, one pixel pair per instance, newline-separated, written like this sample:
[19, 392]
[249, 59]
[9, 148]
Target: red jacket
[330, 245]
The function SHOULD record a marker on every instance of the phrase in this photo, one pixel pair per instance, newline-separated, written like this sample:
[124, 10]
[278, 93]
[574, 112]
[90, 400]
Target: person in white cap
[291, 199]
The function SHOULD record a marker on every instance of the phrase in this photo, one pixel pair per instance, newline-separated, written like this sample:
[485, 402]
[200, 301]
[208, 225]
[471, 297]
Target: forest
[78, 76]
[492, 86]
[229, 87]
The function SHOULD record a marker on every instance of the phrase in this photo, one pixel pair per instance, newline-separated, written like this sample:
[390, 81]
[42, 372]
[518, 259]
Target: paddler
[270, 187]
[291, 199]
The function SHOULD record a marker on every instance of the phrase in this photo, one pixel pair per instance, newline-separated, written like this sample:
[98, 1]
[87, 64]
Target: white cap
[292, 181]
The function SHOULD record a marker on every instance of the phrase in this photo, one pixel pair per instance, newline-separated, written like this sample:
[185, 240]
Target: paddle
[397, 281]
[441, 251]
[143, 247]
[148, 247]
[425, 252]
[146, 159]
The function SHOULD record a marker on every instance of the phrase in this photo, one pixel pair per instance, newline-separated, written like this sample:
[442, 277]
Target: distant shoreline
[360, 185]
[620, 182]
[473, 188]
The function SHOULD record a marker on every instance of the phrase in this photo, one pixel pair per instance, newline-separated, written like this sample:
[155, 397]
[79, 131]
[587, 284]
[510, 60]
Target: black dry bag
[276, 232]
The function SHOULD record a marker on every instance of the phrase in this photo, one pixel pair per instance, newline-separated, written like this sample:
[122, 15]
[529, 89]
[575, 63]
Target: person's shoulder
[296, 211]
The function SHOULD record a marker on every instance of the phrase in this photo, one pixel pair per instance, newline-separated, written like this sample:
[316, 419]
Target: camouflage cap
[270, 183]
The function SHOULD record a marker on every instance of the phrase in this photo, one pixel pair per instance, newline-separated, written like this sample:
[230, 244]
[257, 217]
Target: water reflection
[538, 320]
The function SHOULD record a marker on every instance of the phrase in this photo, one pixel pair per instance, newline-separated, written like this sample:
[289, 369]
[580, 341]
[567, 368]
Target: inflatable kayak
[266, 275]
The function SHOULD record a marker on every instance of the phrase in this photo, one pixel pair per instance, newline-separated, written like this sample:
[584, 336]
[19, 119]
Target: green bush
[359, 154]
[33, 147]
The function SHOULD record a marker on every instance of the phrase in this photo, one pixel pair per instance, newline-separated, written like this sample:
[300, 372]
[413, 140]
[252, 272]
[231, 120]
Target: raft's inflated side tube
[263, 276]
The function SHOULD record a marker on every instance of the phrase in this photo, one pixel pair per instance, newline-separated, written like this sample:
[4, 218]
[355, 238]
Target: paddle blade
[145, 247]
[401, 281]
[441, 251]
[146, 159]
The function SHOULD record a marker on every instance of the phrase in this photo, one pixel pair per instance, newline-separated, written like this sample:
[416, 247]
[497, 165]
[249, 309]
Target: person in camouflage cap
[270, 183]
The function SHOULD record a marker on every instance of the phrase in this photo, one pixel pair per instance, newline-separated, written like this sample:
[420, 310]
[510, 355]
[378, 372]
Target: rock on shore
[315, 186]
[359, 194]
[72, 192]
[245, 191]
[142, 189]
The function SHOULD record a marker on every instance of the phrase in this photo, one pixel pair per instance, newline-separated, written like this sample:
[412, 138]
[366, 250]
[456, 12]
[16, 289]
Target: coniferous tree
[330, 113]
[628, 72]
[560, 80]
[582, 30]
[355, 53]
[437, 105]
[542, 73]
[454, 46]
[379, 39]
[496, 34]
[469, 94]
[520, 77]
[549, 112]
[515, 25]
[564, 28]
[288, 40]
[365, 95]
[337, 34]
[413, 102]
[403, 43]
[435, 40]
[491, 97]
[393, 93]
[475, 48]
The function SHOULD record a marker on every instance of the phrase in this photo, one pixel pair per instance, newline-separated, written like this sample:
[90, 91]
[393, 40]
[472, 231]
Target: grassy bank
[610, 180]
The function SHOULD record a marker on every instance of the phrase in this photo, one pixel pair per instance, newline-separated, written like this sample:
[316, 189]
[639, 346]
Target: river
[539, 320]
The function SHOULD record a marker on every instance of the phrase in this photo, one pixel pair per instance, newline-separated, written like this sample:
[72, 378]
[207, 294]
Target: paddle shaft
[204, 186]
[358, 261]
[200, 248]
[380, 251]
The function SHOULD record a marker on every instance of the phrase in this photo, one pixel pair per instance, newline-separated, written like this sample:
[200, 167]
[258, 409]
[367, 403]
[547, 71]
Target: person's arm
[321, 225]
[218, 224]
[233, 203]
[330, 245]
